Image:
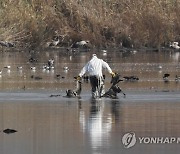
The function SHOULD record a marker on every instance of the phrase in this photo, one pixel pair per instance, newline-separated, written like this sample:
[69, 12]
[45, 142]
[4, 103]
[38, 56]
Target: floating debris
[9, 131]
[54, 95]
[36, 77]
[131, 78]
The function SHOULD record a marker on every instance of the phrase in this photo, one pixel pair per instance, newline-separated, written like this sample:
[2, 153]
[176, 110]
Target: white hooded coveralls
[94, 69]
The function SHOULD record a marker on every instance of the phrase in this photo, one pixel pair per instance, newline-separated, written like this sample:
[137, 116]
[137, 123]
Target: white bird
[33, 68]
[104, 51]
[54, 42]
[8, 67]
[175, 45]
[160, 67]
[19, 67]
[65, 68]
[80, 44]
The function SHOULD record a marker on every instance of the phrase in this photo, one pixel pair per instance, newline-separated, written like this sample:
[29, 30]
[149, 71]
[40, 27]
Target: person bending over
[94, 69]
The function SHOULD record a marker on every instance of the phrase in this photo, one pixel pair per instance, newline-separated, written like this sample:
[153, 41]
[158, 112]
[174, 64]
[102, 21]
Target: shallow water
[57, 125]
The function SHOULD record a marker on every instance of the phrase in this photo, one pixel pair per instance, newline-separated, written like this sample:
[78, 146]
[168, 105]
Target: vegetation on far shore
[32, 23]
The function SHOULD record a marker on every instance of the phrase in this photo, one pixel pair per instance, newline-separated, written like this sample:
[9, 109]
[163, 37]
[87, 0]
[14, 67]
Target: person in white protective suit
[94, 69]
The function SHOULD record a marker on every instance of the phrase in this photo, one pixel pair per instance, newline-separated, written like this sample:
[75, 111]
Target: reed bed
[116, 23]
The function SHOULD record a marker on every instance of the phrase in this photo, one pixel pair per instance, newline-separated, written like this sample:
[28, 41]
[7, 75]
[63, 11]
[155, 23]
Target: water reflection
[115, 105]
[97, 125]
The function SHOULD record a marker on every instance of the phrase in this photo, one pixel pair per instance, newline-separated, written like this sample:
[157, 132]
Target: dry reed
[131, 23]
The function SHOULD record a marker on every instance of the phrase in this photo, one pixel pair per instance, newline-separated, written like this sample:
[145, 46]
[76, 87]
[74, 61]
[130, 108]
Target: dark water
[55, 125]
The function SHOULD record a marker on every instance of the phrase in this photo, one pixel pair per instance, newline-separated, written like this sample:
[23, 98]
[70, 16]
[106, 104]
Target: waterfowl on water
[32, 60]
[19, 67]
[165, 77]
[45, 67]
[65, 68]
[54, 42]
[80, 44]
[58, 76]
[33, 68]
[8, 66]
[174, 45]
[177, 78]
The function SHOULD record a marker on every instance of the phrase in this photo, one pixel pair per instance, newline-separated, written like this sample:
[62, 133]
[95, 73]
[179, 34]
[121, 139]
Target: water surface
[57, 125]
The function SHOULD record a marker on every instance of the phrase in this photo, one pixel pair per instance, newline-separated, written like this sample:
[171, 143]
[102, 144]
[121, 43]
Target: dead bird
[76, 92]
[114, 89]
[9, 131]
[131, 78]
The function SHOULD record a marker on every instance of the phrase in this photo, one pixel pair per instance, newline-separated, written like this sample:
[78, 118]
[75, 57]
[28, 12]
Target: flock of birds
[47, 67]
[166, 77]
[57, 40]
[50, 66]
[80, 44]
[134, 78]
